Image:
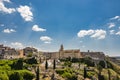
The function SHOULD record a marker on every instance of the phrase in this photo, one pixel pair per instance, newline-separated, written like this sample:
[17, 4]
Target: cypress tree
[109, 78]
[37, 73]
[85, 72]
[54, 64]
[46, 65]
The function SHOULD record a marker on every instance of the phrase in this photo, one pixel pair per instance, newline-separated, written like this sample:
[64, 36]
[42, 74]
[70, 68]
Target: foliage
[68, 63]
[17, 65]
[46, 65]
[12, 70]
[5, 67]
[60, 71]
[89, 61]
[90, 74]
[29, 54]
[15, 76]
[3, 76]
[31, 60]
[102, 64]
[75, 60]
[85, 72]
[69, 76]
[54, 64]
[67, 73]
[113, 66]
[37, 73]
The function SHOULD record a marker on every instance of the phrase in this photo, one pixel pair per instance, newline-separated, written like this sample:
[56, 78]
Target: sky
[46, 24]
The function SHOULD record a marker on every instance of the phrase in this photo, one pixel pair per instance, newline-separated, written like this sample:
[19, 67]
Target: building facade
[61, 54]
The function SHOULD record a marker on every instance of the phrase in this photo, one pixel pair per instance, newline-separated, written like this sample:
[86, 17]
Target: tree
[46, 65]
[85, 72]
[102, 64]
[109, 78]
[15, 76]
[32, 60]
[54, 64]
[100, 77]
[17, 65]
[37, 73]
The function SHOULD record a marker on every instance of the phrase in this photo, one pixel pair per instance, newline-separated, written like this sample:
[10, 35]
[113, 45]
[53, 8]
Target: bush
[69, 76]
[60, 71]
[31, 61]
[3, 75]
[17, 65]
[113, 66]
[68, 63]
[102, 64]
[15, 76]
[5, 67]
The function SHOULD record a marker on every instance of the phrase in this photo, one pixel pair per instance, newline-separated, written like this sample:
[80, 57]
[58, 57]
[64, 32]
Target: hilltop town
[72, 64]
[12, 53]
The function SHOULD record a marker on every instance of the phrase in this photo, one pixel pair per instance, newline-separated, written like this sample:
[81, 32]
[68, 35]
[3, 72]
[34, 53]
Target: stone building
[61, 54]
[94, 55]
[8, 53]
[29, 50]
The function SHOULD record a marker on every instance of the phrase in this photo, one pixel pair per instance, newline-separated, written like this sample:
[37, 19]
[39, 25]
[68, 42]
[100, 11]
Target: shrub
[60, 71]
[3, 75]
[102, 64]
[69, 76]
[68, 63]
[31, 61]
[15, 76]
[17, 65]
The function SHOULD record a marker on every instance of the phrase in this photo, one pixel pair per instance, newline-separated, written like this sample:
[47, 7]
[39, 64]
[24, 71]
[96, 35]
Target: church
[61, 54]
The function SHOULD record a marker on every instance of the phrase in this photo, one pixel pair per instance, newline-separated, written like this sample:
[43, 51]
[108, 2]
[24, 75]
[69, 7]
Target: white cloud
[25, 12]
[17, 45]
[7, 1]
[118, 33]
[4, 9]
[37, 28]
[47, 42]
[112, 31]
[114, 18]
[111, 25]
[119, 27]
[46, 39]
[99, 34]
[83, 33]
[2, 25]
[8, 30]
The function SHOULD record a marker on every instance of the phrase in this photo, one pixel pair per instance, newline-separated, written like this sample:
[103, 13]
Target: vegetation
[85, 72]
[46, 65]
[14, 70]
[67, 73]
[37, 73]
[54, 64]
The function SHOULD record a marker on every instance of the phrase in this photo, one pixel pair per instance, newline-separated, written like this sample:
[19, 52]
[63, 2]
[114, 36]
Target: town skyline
[85, 25]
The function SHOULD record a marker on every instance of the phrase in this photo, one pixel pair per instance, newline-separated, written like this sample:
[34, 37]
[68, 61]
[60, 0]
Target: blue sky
[46, 24]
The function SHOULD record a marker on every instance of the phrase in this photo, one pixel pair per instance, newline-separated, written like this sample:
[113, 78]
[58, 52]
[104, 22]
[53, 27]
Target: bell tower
[61, 51]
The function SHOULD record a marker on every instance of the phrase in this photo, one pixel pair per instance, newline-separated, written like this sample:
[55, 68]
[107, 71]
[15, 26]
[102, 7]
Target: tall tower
[61, 51]
[61, 47]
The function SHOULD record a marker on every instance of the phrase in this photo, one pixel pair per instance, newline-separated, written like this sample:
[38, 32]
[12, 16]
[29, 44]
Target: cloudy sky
[46, 24]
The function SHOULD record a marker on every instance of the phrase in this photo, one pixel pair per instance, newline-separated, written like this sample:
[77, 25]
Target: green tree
[31, 60]
[37, 73]
[109, 75]
[54, 64]
[46, 65]
[17, 65]
[102, 64]
[85, 72]
[15, 76]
